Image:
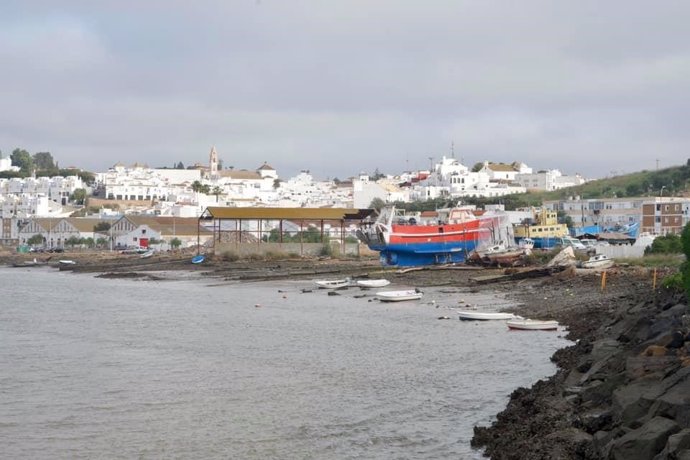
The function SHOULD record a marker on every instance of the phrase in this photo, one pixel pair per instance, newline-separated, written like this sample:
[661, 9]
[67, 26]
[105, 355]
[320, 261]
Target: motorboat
[466, 315]
[599, 261]
[532, 325]
[147, 254]
[377, 283]
[198, 259]
[399, 296]
[333, 284]
[66, 262]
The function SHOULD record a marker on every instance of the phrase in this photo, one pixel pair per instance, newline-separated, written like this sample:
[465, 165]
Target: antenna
[452, 149]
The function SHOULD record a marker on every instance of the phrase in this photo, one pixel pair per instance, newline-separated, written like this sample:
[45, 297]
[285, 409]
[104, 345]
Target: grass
[654, 260]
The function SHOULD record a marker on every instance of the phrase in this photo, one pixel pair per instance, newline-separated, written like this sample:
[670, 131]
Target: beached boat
[147, 254]
[399, 296]
[542, 229]
[438, 237]
[532, 325]
[599, 261]
[198, 259]
[378, 283]
[66, 262]
[466, 315]
[333, 284]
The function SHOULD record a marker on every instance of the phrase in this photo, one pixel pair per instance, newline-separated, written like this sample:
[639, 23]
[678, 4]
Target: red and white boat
[442, 236]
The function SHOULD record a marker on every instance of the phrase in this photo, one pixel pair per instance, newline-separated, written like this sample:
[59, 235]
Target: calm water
[194, 369]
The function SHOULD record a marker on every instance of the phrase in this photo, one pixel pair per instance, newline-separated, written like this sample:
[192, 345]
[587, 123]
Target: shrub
[674, 282]
[229, 256]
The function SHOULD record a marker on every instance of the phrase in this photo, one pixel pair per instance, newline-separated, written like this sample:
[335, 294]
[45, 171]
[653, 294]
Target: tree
[175, 243]
[217, 191]
[36, 239]
[477, 166]
[198, 187]
[101, 227]
[179, 165]
[23, 160]
[44, 161]
[102, 242]
[377, 203]
[276, 183]
[78, 196]
[73, 241]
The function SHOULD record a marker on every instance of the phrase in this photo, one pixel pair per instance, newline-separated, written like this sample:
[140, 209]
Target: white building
[548, 180]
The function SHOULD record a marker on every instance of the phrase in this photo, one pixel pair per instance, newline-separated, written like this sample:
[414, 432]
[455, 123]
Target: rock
[675, 401]
[633, 401]
[677, 446]
[645, 442]
[649, 366]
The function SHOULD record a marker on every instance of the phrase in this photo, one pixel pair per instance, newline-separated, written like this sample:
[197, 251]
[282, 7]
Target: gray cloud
[342, 87]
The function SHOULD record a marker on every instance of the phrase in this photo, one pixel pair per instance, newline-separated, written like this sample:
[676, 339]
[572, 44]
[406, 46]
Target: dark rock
[645, 442]
[633, 401]
[677, 447]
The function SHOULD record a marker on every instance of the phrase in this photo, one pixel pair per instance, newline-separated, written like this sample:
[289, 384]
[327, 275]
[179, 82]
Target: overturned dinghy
[333, 284]
[379, 283]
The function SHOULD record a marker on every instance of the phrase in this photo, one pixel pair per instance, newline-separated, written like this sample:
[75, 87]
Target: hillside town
[127, 202]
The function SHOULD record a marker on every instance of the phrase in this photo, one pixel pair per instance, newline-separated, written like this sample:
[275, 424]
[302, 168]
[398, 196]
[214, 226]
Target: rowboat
[399, 296]
[373, 283]
[598, 261]
[333, 284]
[532, 325]
[198, 259]
[147, 254]
[484, 315]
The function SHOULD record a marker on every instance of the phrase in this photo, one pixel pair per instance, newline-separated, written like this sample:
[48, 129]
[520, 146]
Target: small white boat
[373, 283]
[600, 261]
[66, 262]
[532, 325]
[526, 243]
[399, 296]
[466, 315]
[147, 254]
[333, 284]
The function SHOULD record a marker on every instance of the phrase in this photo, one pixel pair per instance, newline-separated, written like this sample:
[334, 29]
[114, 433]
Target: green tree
[36, 239]
[23, 160]
[477, 166]
[179, 165]
[102, 242]
[276, 183]
[377, 203]
[101, 227]
[665, 244]
[88, 242]
[73, 241]
[44, 161]
[175, 243]
[78, 196]
[217, 191]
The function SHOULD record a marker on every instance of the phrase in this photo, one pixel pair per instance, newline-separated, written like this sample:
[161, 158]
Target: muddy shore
[622, 391]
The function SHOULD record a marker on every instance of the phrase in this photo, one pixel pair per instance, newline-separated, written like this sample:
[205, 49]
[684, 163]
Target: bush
[229, 256]
[665, 244]
[274, 255]
[326, 250]
[674, 282]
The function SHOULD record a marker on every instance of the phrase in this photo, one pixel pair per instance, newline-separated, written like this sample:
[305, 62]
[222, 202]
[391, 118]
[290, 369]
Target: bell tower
[213, 163]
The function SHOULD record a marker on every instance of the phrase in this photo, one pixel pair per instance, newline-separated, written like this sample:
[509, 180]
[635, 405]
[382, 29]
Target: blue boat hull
[413, 255]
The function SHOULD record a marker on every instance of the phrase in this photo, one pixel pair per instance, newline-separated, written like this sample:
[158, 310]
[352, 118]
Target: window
[143, 231]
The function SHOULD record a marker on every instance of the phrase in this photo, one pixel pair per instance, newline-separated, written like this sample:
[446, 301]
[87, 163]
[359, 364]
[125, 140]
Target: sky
[339, 87]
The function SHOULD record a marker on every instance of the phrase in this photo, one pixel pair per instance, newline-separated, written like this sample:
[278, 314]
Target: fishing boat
[532, 325]
[333, 284]
[399, 296]
[439, 237]
[466, 315]
[542, 229]
[378, 283]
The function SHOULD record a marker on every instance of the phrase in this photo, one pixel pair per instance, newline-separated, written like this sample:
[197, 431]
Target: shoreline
[619, 391]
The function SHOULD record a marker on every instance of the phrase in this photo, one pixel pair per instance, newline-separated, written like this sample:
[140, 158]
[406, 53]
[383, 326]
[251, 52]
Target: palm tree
[217, 191]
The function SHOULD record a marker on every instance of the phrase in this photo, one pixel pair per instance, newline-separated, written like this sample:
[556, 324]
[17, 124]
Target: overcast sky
[338, 87]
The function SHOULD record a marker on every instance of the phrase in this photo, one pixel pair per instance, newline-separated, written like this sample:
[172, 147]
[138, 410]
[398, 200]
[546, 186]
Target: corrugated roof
[84, 224]
[214, 212]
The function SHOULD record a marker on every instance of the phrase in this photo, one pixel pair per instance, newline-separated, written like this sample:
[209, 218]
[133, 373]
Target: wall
[305, 249]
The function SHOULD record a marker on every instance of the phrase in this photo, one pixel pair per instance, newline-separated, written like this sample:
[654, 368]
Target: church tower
[213, 163]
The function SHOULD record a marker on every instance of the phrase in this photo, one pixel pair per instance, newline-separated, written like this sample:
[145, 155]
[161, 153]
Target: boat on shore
[470, 315]
[399, 296]
[198, 259]
[542, 230]
[333, 284]
[599, 261]
[532, 325]
[377, 283]
[440, 237]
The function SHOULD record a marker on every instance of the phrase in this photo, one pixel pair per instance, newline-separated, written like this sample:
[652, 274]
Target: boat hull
[484, 316]
[532, 325]
[398, 296]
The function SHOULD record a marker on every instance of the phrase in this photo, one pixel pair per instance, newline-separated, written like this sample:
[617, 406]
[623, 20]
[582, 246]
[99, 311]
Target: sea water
[193, 368]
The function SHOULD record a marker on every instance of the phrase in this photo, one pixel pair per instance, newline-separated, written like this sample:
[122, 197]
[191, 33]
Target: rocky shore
[621, 392]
